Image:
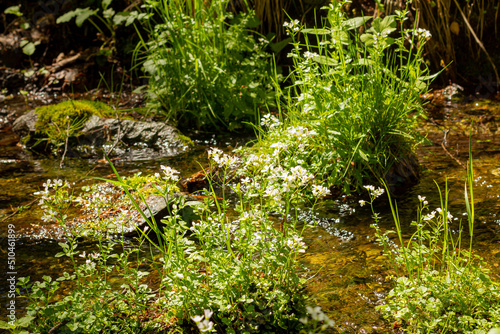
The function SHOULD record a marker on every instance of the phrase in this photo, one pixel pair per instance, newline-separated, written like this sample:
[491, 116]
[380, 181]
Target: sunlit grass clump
[441, 287]
[352, 109]
[206, 69]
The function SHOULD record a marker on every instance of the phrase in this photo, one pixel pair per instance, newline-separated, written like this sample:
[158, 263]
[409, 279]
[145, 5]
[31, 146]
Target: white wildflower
[293, 25]
[429, 216]
[374, 192]
[422, 200]
[205, 326]
[320, 191]
[308, 54]
[169, 173]
[423, 33]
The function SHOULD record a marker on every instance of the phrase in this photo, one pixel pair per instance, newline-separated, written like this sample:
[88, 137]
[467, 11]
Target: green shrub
[205, 67]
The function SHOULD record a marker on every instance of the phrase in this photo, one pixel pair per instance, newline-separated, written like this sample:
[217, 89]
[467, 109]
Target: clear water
[346, 270]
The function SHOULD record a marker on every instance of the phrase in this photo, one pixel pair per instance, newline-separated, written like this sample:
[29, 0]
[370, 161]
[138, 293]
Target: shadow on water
[347, 273]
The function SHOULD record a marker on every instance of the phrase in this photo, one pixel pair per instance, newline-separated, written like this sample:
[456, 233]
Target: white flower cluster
[439, 211]
[301, 132]
[169, 174]
[203, 322]
[423, 34]
[374, 193]
[50, 202]
[318, 316]
[294, 242]
[309, 54]
[270, 121]
[222, 160]
[320, 191]
[422, 200]
[293, 25]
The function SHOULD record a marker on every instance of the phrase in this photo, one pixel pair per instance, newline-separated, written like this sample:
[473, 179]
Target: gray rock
[126, 222]
[125, 136]
[25, 124]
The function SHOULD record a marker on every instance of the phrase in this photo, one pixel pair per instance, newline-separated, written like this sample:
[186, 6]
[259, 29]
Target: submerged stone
[122, 221]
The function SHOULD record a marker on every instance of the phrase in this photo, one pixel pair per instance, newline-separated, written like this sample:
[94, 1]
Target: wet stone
[117, 138]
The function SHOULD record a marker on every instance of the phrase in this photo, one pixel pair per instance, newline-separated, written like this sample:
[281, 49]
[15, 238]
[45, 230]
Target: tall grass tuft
[205, 68]
[352, 109]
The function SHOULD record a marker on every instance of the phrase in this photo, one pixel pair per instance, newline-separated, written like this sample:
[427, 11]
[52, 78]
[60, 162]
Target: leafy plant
[105, 20]
[440, 286]
[352, 110]
[28, 46]
[205, 67]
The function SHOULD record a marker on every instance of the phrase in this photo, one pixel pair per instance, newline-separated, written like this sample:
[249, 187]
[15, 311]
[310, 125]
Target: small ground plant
[352, 110]
[205, 68]
[440, 286]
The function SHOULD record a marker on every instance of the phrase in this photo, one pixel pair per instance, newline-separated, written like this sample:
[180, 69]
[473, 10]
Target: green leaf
[120, 17]
[105, 4]
[355, 22]
[150, 66]
[384, 26]
[83, 15]
[28, 47]
[73, 326]
[324, 60]
[108, 13]
[494, 331]
[362, 155]
[23, 280]
[364, 62]
[367, 39]
[25, 321]
[277, 47]
[66, 17]
[316, 31]
[429, 77]
[14, 10]
[252, 21]
[5, 325]
[63, 245]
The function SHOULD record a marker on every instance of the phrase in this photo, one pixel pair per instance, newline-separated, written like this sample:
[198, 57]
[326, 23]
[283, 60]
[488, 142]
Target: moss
[185, 139]
[54, 121]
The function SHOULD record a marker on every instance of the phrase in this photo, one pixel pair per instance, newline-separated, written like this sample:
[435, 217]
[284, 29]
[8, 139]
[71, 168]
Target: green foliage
[105, 20]
[440, 286]
[230, 270]
[59, 121]
[28, 46]
[205, 68]
[352, 110]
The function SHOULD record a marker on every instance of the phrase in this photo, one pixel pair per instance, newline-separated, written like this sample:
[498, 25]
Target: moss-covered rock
[55, 122]
[92, 132]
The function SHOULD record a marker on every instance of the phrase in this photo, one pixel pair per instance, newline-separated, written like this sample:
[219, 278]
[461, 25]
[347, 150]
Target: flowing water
[348, 276]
